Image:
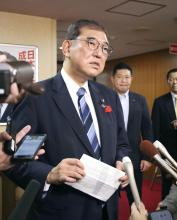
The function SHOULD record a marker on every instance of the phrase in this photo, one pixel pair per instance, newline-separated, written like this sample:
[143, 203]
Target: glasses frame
[97, 44]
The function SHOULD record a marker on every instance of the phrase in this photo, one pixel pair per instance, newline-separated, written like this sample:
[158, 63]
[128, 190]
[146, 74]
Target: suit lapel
[170, 106]
[64, 103]
[8, 112]
[101, 117]
[132, 102]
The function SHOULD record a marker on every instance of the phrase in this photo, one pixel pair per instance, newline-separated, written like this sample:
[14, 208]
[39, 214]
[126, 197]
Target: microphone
[149, 150]
[23, 207]
[165, 153]
[128, 167]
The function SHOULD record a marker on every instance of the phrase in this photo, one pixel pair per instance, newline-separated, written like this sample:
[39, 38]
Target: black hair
[171, 71]
[73, 30]
[120, 66]
[9, 57]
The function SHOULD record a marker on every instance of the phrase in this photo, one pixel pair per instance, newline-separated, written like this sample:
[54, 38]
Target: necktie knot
[81, 92]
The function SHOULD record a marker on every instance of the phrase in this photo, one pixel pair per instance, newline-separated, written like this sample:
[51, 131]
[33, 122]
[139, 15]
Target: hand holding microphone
[128, 167]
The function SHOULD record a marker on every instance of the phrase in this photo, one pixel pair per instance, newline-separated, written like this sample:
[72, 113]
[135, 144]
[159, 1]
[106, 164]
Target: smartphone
[29, 147]
[160, 215]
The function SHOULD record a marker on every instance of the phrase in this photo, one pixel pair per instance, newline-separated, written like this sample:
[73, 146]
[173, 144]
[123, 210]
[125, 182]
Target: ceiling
[134, 26]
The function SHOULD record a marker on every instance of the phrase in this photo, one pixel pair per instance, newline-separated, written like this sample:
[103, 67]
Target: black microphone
[149, 150]
[24, 205]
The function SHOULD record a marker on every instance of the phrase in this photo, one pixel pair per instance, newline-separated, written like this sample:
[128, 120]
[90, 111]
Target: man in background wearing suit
[59, 112]
[5, 108]
[137, 120]
[164, 120]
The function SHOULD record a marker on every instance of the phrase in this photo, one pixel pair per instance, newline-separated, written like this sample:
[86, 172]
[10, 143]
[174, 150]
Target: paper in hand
[101, 179]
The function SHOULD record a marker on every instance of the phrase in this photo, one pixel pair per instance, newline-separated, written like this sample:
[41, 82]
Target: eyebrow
[93, 38]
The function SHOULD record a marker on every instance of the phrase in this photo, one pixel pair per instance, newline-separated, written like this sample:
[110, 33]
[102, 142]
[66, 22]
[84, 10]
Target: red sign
[173, 48]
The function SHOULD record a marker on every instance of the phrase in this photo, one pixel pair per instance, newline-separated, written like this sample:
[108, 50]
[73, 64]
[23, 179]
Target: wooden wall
[149, 73]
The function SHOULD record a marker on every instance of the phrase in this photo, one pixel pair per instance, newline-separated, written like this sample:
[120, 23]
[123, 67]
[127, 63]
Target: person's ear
[66, 48]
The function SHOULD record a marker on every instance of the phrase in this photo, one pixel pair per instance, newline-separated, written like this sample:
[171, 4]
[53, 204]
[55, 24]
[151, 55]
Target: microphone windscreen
[147, 148]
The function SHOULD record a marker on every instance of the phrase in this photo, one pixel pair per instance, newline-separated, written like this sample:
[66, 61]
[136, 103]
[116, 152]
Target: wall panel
[149, 73]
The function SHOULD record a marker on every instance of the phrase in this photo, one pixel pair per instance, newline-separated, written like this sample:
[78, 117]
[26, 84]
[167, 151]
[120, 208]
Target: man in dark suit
[58, 113]
[165, 123]
[137, 120]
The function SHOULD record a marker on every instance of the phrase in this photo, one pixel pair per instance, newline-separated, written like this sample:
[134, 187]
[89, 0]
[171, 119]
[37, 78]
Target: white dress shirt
[124, 99]
[174, 97]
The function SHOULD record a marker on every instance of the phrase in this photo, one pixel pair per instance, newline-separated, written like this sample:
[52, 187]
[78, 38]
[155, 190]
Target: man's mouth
[95, 64]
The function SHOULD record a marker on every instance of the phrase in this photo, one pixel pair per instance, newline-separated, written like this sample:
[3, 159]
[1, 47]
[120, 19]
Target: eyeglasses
[94, 44]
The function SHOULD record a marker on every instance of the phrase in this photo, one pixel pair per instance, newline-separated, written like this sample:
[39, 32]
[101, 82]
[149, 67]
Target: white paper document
[100, 181]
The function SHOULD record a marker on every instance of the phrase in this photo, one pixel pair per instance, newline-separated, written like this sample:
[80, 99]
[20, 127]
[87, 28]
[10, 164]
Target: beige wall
[31, 30]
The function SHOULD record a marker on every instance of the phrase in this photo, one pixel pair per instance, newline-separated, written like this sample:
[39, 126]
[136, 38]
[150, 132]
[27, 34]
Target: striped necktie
[88, 122]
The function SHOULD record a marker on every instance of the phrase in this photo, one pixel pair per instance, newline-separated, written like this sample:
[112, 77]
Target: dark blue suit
[163, 113]
[8, 112]
[54, 113]
[139, 128]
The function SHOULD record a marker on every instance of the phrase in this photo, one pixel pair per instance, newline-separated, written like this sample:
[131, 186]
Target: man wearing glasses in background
[79, 117]
[164, 121]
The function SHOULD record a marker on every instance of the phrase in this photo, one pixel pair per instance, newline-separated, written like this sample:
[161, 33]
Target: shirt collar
[71, 85]
[124, 95]
[174, 96]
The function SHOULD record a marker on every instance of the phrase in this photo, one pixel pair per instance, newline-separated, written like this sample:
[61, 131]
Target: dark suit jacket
[53, 113]
[7, 112]
[139, 126]
[163, 113]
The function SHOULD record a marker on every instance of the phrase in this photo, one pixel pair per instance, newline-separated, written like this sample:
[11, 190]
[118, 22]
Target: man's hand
[124, 180]
[144, 165]
[138, 214]
[68, 170]
[5, 162]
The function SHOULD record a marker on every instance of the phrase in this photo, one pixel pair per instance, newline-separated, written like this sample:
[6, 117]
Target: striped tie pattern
[88, 122]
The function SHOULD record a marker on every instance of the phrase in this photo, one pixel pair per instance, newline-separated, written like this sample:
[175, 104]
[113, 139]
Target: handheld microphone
[165, 153]
[24, 205]
[128, 167]
[149, 150]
